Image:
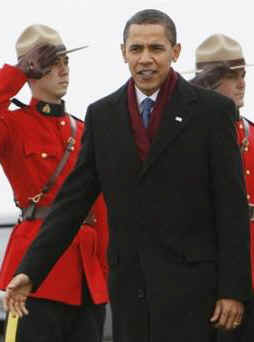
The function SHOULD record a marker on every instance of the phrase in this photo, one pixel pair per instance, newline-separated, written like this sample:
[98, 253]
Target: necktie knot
[146, 108]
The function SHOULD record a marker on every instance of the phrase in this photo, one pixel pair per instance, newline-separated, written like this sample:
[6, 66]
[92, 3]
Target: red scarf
[144, 136]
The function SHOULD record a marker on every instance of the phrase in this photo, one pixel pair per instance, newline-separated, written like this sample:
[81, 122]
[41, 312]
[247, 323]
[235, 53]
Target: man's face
[53, 86]
[233, 86]
[149, 55]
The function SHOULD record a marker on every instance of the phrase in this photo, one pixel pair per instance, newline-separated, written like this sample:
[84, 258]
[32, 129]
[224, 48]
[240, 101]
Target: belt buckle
[251, 211]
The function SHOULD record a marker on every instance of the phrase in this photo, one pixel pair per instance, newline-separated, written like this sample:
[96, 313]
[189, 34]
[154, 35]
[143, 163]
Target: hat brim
[64, 52]
[195, 71]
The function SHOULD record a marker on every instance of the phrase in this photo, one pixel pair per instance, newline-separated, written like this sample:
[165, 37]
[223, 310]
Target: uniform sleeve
[11, 81]
[70, 208]
[231, 208]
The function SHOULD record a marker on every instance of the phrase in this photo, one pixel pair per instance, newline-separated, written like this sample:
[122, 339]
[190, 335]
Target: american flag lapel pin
[179, 118]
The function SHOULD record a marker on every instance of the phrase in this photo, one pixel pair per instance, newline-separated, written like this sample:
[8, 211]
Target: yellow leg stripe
[11, 328]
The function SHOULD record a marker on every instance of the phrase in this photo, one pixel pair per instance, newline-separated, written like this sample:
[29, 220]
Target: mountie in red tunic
[31, 147]
[245, 134]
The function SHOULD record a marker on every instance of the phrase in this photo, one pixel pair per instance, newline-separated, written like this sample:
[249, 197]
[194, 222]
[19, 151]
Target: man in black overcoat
[165, 156]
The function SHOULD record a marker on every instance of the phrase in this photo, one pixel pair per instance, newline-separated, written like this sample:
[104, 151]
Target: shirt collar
[141, 96]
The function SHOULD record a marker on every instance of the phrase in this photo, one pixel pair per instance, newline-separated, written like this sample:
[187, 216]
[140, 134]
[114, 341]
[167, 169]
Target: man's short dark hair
[152, 16]
[211, 75]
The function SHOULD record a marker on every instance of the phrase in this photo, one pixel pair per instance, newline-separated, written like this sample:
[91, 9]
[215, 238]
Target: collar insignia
[46, 109]
[51, 109]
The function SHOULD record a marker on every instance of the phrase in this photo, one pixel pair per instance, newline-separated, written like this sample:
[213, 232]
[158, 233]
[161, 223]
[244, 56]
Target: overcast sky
[99, 70]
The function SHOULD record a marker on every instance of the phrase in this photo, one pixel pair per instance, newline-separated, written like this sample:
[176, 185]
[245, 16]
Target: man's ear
[123, 49]
[176, 52]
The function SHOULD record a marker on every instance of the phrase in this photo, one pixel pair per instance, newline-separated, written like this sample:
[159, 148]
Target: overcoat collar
[176, 116]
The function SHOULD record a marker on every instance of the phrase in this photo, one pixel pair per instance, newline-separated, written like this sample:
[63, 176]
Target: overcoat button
[44, 155]
[247, 172]
[141, 294]
[62, 123]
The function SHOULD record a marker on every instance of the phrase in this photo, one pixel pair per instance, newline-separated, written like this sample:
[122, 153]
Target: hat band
[60, 49]
[229, 63]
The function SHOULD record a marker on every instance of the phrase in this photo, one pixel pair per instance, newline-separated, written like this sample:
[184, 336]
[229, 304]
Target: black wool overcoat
[179, 228]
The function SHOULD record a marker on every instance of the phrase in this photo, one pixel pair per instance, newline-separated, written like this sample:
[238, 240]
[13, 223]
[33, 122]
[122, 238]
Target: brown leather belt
[39, 213]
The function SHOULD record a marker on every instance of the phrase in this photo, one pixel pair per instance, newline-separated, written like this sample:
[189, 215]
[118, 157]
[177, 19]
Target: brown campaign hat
[41, 34]
[219, 48]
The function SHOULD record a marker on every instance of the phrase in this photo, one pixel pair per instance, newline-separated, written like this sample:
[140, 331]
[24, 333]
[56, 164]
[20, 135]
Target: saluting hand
[228, 314]
[37, 62]
[17, 292]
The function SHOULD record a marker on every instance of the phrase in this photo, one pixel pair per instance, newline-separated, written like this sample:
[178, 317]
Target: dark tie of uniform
[146, 108]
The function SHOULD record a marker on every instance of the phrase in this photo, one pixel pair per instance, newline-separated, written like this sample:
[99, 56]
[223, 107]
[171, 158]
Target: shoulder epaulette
[18, 103]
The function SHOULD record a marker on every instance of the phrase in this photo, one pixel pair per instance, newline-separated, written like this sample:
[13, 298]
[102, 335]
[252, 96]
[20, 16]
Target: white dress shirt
[141, 96]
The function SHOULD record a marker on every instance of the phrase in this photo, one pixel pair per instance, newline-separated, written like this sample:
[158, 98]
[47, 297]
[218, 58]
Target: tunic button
[246, 149]
[141, 294]
[62, 123]
[241, 126]
[248, 197]
[72, 148]
[247, 172]
[44, 155]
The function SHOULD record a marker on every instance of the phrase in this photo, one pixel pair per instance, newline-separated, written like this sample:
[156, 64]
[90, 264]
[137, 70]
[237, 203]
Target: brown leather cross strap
[63, 161]
[29, 212]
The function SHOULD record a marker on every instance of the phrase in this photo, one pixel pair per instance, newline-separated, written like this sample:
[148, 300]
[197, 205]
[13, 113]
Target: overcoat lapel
[121, 124]
[175, 117]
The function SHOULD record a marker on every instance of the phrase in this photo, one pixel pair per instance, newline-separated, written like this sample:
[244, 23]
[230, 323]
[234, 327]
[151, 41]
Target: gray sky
[99, 70]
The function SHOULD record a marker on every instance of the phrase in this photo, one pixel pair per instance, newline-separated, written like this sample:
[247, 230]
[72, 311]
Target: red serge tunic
[248, 169]
[31, 146]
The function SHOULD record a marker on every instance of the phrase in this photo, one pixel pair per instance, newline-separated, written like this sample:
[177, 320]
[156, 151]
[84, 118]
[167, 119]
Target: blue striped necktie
[146, 107]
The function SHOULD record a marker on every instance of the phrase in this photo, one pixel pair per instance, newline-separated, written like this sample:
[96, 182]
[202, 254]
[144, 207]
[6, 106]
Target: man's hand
[37, 62]
[17, 292]
[228, 314]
